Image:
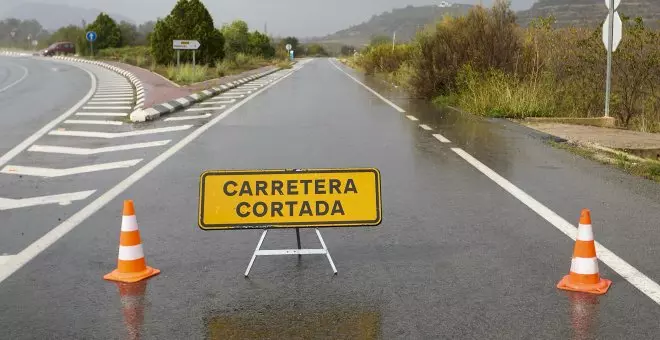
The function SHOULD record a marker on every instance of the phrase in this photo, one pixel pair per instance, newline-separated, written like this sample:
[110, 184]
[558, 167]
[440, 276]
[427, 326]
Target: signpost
[277, 199]
[91, 37]
[612, 35]
[179, 45]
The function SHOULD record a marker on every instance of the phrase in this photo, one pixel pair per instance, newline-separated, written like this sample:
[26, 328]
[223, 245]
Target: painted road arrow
[50, 172]
[62, 199]
[112, 135]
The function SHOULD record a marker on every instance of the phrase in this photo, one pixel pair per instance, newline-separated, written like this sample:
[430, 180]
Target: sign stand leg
[323, 251]
[298, 239]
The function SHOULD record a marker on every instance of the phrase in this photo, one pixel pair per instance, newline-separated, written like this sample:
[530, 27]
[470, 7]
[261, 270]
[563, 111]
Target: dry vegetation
[487, 64]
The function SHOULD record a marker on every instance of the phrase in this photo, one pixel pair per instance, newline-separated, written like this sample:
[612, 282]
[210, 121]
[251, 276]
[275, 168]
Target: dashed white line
[425, 127]
[413, 118]
[112, 135]
[61, 199]
[50, 172]
[627, 271]
[173, 119]
[92, 122]
[396, 107]
[208, 108]
[85, 151]
[102, 114]
[441, 138]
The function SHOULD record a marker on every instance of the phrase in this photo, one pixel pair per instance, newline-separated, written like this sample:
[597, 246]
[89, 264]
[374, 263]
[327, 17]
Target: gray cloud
[284, 17]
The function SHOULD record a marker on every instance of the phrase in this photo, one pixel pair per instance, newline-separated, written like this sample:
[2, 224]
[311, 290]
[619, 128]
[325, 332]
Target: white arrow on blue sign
[91, 36]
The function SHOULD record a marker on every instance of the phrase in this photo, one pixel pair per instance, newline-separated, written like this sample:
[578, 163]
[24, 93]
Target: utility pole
[393, 40]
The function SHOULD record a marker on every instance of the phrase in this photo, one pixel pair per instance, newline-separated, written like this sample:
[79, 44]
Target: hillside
[405, 21]
[589, 12]
[52, 17]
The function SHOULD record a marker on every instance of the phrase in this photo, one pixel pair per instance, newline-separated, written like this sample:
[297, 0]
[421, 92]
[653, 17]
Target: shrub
[187, 74]
[107, 30]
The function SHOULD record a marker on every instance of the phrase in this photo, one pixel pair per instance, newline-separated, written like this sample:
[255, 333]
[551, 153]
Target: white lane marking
[368, 88]
[38, 246]
[115, 88]
[50, 172]
[61, 199]
[30, 140]
[425, 127]
[106, 107]
[83, 151]
[104, 93]
[238, 92]
[208, 108]
[5, 259]
[224, 96]
[102, 114]
[413, 118]
[112, 135]
[26, 72]
[112, 96]
[112, 101]
[187, 117]
[93, 122]
[627, 271]
[441, 138]
[214, 102]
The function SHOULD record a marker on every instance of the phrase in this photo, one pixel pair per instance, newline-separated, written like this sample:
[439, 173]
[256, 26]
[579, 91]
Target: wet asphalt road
[35, 92]
[455, 257]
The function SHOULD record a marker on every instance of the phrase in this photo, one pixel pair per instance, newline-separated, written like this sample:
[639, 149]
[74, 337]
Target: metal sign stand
[299, 251]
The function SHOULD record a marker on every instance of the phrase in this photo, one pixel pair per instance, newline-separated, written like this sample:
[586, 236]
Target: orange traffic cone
[131, 265]
[584, 276]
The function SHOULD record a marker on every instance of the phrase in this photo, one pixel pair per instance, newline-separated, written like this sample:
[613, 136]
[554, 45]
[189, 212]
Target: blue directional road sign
[91, 36]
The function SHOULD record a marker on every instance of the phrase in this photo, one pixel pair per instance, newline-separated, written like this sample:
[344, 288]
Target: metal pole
[610, 47]
[178, 58]
[193, 61]
[298, 238]
[91, 47]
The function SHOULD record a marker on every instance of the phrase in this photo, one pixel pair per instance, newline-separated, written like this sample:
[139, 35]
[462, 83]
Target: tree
[347, 50]
[144, 32]
[107, 32]
[379, 40]
[293, 41]
[129, 33]
[316, 50]
[189, 19]
[259, 45]
[237, 38]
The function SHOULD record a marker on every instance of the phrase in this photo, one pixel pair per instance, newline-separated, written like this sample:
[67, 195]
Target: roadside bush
[383, 59]
[107, 30]
[187, 74]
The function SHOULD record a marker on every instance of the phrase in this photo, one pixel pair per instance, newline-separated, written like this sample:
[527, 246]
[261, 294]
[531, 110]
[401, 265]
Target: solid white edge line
[620, 266]
[396, 107]
[46, 128]
[38, 246]
[26, 72]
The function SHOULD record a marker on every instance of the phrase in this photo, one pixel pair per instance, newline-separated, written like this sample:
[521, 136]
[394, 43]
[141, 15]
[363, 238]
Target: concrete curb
[139, 89]
[141, 115]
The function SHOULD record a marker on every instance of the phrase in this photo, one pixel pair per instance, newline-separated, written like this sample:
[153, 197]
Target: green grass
[648, 169]
[187, 74]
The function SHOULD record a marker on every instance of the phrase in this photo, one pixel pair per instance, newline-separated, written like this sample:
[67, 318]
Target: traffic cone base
[115, 275]
[594, 288]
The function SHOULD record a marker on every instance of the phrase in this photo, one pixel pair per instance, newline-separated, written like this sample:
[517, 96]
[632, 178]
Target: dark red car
[63, 47]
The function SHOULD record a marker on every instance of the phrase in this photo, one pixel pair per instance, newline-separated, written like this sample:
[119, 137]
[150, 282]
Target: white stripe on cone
[129, 223]
[580, 265]
[585, 232]
[130, 253]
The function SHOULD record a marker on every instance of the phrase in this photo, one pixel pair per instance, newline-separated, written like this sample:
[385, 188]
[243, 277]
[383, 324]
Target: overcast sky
[284, 17]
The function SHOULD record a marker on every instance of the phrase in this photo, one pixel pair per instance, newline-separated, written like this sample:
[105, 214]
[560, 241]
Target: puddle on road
[132, 297]
[584, 310]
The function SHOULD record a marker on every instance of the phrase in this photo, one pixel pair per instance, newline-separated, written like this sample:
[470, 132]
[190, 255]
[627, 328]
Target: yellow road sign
[248, 199]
